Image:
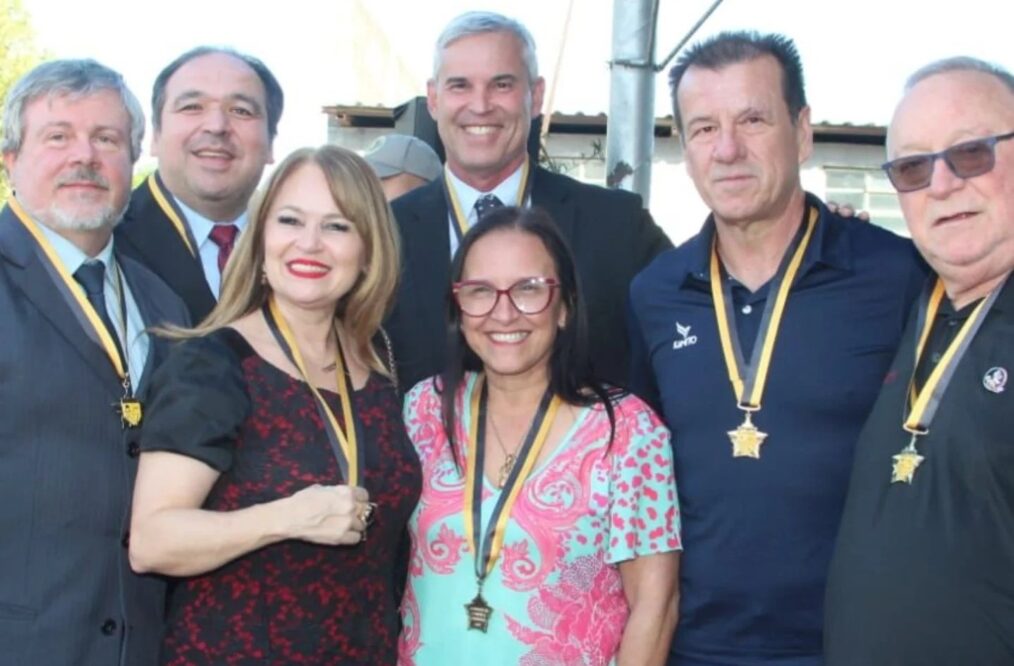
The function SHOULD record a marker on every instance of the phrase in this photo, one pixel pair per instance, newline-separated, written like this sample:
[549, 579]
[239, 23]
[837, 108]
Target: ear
[538, 93]
[804, 134]
[431, 97]
[10, 157]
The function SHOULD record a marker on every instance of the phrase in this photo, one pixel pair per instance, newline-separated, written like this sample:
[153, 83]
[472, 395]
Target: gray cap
[393, 154]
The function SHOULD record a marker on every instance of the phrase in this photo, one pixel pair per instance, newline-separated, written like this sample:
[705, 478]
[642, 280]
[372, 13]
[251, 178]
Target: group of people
[302, 425]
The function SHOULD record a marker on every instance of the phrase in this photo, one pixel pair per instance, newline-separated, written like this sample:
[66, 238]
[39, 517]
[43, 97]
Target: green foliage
[18, 54]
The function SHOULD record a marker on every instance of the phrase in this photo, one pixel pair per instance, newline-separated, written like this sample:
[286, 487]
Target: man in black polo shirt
[805, 310]
[923, 572]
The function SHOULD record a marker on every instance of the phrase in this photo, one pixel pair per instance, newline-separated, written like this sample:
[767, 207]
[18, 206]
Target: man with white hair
[75, 365]
[484, 93]
[922, 572]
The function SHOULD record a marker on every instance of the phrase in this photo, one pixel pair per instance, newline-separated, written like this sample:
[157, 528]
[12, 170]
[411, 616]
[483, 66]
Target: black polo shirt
[759, 533]
[923, 574]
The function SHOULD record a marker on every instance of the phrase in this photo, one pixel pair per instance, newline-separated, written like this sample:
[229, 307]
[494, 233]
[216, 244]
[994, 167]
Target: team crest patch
[995, 380]
[683, 337]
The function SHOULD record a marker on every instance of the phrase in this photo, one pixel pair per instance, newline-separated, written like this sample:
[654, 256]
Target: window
[868, 190]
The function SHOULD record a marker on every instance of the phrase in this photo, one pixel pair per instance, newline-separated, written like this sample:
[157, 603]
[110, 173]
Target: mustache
[83, 174]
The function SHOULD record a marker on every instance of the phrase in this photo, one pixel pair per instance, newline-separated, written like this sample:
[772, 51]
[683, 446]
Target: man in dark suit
[215, 114]
[74, 367]
[483, 94]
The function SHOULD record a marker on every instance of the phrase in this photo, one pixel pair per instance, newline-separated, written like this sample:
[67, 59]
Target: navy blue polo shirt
[758, 534]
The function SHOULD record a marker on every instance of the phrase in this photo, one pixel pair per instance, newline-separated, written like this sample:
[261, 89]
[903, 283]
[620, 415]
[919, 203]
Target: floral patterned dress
[556, 591]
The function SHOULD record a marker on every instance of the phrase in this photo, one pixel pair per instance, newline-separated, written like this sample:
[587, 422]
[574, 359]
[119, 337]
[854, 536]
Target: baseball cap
[393, 154]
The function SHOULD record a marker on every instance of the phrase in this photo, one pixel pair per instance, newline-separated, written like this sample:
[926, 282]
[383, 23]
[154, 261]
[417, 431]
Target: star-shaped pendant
[746, 439]
[905, 464]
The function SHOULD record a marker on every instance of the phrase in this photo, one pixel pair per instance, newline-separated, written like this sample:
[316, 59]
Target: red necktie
[224, 236]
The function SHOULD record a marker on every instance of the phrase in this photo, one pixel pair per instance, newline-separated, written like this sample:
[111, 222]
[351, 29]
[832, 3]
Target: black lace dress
[292, 602]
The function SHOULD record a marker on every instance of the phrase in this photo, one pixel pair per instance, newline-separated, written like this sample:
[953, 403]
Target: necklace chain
[510, 458]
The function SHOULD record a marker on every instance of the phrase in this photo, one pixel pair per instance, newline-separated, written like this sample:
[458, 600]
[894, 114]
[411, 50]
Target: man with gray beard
[74, 369]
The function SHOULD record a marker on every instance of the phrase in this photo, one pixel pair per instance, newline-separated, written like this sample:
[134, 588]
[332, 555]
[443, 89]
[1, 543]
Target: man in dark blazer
[483, 95]
[75, 365]
[215, 114]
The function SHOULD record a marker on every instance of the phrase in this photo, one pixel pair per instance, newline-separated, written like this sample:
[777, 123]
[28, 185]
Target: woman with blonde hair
[272, 444]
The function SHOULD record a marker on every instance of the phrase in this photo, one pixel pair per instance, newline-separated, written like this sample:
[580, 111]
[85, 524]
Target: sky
[856, 53]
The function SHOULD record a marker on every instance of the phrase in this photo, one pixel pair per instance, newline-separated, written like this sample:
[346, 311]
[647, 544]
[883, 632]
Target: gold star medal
[746, 439]
[905, 464]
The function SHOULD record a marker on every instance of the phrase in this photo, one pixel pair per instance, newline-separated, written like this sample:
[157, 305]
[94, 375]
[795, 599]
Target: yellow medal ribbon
[461, 216]
[748, 381]
[487, 549]
[924, 401]
[163, 202]
[104, 336]
[344, 443]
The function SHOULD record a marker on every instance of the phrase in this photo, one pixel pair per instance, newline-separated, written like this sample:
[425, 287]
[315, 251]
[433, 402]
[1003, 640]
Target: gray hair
[960, 64]
[76, 78]
[477, 23]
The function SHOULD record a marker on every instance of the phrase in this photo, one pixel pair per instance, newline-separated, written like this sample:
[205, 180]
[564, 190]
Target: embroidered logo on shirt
[683, 339]
[995, 380]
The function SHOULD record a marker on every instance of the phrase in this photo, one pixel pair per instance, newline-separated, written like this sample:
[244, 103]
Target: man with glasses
[923, 572]
[764, 340]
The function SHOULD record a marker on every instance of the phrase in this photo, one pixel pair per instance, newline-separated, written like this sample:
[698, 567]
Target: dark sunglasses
[965, 160]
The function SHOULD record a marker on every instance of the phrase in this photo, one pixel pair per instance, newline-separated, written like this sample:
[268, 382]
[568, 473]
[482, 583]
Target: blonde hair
[357, 192]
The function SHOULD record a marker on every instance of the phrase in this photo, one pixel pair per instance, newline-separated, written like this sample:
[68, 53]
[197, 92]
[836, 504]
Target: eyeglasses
[477, 298]
[965, 160]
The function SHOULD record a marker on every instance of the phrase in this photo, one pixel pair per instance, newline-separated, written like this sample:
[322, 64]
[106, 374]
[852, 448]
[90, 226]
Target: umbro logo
[683, 337]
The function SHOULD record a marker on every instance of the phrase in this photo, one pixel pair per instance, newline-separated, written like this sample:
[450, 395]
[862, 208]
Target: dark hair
[274, 97]
[570, 370]
[730, 48]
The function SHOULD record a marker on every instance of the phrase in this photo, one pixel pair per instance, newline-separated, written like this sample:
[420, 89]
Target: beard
[87, 215]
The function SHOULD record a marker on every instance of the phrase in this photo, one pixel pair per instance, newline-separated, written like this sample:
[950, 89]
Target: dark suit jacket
[612, 238]
[67, 594]
[147, 235]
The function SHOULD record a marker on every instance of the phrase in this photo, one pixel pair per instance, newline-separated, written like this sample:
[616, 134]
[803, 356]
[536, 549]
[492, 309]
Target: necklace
[510, 458]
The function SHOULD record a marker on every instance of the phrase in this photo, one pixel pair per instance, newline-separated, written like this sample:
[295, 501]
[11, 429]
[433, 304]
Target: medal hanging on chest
[128, 407]
[924, 401]
[748, 380]
[487, 544]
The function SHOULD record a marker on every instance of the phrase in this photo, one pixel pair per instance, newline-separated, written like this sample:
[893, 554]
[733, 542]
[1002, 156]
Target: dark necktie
[91, 276]
[224, 236]
[485, 205]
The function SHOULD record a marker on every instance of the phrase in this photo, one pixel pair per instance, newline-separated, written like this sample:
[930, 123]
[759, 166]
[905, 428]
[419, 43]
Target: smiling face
[509, 343]
[213, 141]
[964, 227]
[313, 254]
[483, 104]
[72, 171]
[743, 149]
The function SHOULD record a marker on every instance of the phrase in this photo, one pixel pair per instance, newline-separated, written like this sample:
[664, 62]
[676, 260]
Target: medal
[128, 407]
[746, 439]
[487, 544]
[479, 612]
[748, 380]
[925, 401]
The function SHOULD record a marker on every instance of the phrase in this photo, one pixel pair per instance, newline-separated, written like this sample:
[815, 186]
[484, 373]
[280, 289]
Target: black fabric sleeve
[198, 399]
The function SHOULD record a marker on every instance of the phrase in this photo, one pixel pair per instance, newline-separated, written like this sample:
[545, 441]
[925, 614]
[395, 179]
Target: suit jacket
[147, 235]
[609, 232]
[67, 594]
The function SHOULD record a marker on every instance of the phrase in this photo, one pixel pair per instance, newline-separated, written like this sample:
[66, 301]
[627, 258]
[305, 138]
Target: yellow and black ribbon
[487, 544]
[345, 444]
[164, 201]
[748, 380]
[75, 296]
[925, 401]
[460, 216]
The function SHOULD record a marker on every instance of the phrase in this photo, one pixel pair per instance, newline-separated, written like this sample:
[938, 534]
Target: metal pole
[630, 131]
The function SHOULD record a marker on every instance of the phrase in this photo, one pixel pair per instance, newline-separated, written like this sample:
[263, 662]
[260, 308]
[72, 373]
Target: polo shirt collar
[829, 246]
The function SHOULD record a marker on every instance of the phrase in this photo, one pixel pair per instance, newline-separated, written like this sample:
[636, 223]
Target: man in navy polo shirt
[764, 341]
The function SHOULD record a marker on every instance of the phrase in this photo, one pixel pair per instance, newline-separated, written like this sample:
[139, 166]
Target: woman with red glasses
[548, 527]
